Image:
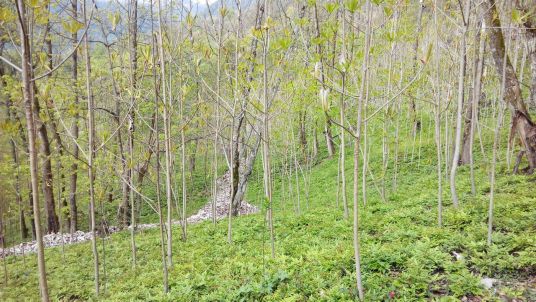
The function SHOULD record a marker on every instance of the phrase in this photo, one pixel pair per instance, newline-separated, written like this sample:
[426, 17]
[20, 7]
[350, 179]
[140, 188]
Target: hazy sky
[204, 1]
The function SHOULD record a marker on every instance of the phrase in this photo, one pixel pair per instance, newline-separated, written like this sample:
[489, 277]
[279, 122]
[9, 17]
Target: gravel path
[205, 213]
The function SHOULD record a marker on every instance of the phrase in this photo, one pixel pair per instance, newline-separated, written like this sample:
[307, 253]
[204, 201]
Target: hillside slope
[404, 253]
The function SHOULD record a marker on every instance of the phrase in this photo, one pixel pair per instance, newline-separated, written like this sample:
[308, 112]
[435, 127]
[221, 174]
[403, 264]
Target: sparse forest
[267, 150]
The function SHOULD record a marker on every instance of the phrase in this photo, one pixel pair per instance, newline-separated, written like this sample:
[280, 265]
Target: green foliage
[404, 253]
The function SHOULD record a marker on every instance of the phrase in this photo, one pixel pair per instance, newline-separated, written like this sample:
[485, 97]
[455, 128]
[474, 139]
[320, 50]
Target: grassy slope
[403, 250]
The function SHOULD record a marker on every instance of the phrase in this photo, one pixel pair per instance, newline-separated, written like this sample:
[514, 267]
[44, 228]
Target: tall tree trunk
[73, 209]
[327, 124]
[132, 34]
[49, 103]
[437, 119]
[157, 155]
[357, 143]
[167, 143]
[31, 119]
[413, 108]
[512, 94]
[236, 178]
[467, 150]
[461, 95]
[91, 155]
[266, 135]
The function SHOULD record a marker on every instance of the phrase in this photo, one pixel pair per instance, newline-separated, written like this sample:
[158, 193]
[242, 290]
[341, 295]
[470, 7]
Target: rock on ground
[222, 209]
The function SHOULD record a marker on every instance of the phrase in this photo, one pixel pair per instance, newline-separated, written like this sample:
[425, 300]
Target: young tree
[91, 153]
[29, 103]
[461, 90]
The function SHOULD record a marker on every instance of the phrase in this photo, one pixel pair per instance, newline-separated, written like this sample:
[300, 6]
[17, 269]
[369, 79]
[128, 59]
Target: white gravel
[205, 213]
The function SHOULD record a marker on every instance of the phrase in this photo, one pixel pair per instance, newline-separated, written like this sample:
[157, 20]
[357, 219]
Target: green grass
[403, 249]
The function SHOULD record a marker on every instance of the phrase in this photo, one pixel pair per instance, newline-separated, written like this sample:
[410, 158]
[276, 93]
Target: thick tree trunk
[48, 183]
[512, 91]
[237, 179]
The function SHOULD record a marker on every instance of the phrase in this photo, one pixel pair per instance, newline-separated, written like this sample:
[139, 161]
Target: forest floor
[405, 255]
[205, 213]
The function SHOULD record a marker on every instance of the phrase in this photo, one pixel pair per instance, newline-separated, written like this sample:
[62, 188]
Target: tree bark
[91, 155]
[73, 209]
[512, 90]
[31, 119]
[237, 179]
[461, 95]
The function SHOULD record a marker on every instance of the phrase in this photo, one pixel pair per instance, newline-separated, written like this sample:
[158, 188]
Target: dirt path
[205, 213]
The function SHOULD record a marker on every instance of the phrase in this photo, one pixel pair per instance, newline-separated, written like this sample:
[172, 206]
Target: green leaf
[73, 26]
[115, 19]
[352, 5]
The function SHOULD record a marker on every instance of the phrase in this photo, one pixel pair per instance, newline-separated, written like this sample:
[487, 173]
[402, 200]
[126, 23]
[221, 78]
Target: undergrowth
[405, 255]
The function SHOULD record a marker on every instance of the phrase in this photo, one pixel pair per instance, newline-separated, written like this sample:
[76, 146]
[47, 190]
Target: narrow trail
[205, 213]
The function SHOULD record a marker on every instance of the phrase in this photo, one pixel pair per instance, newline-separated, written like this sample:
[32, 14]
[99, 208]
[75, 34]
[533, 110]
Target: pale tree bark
[266, 134]
[165, 273]
[73, 209]
[342, 164]
[133, 56]
[475, 109]
[437, 119]
[413, 107]
[461, 89]
[167, 143]
[91, 155]
[327, 124]
[357, 142]
[31, 118]
[496, 142]
[217, 115]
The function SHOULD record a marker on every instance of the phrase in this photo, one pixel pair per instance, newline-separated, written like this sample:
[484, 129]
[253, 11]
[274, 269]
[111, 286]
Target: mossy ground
[403, 252]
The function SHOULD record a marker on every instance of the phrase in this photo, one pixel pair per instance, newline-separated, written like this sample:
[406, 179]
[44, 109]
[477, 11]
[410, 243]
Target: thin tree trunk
[476, 100]
[437, 119]
[327, 125]
[91, 155]
[266, 135]
[357, 138]
[461, 80]
[413, 108]
[167, 143]
[342, 164]
[31, 119]
[496, 142]
[132, 35]
[157, 155]
[73, 209]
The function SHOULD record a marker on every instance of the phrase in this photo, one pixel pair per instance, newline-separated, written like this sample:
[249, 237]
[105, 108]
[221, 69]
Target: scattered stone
[459, 257]
[487, 282]
[222, 209]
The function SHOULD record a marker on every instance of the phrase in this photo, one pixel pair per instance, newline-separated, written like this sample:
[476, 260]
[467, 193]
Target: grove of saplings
[268, 150]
